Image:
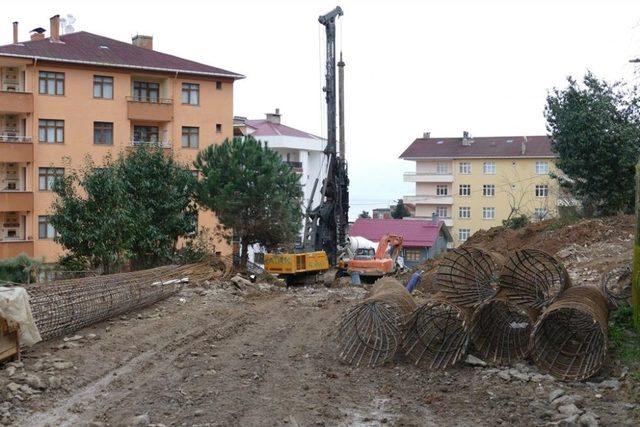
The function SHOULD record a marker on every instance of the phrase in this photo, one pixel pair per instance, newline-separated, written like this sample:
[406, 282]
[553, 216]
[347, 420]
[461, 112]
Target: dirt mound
[553, 235]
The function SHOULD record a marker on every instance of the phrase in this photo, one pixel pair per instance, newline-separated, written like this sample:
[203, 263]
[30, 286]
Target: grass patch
[622, 337]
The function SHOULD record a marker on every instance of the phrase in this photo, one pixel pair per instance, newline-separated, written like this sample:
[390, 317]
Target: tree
[251, 191]
[596, 134]
[364, 214]
[133, 209]
[400, 211]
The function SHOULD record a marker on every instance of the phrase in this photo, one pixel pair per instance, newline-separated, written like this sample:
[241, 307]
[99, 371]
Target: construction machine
[325, 229]
[370, 265]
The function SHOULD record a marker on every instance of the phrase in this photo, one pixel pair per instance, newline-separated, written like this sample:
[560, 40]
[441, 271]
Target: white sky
[412, 66]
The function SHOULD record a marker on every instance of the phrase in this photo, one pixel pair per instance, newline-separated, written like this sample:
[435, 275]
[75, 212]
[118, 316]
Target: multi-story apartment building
[63, 98]
[476, 183]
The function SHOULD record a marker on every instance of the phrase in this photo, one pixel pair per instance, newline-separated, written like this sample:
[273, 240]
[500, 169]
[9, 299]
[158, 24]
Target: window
[442, 168]
[45, 229]
[191, 93]
[489, 168]
[540, 213]
[463, 234]
[465, 168]
[219, 85]
[47, 176]
[103, 87]
[542, 168]
[103, 133]
[51, 83]
[465, 190]
[146, 91]
[441, 211]
[218, 128]
[190, 137]
[542, 190]
[51, 131]
[488, 213]
[489, 190]
[442, 190]
[413, 255]
[145, 134]
[464, 212]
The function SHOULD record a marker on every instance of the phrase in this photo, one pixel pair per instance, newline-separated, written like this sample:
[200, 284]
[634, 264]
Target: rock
[10, 370]
[541, 377]
[555, 394]
[569, 410]
[522, 376]
[504, 375]
[92, 336]
[61, 365]
[13, 387]
[612, 384]
[38, 366]
[73, 338]
[34, 381]
[629, 406]
[16, 364]
[140, 420]
[28, 390]
[240, 281]
[574, 399]
[571, 421]
[474, 361]
[198, 413]
[54, 382]
[588, 420]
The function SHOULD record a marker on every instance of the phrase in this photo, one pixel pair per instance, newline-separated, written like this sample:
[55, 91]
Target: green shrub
[516, 222]
[20, 269]
[623, 339]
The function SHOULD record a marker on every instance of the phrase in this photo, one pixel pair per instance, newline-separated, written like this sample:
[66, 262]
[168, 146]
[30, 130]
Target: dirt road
[218, 356]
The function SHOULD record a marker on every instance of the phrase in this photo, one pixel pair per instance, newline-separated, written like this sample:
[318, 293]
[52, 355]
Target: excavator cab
[383, 261]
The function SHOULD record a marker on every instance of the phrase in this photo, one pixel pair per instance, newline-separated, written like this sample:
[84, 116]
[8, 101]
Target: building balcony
[150, 109]
[16, 201]
[164, 143]
[16, 149]
[427, 177]
[10, 248]
[14, 102]
[296, 166]
[429, 200]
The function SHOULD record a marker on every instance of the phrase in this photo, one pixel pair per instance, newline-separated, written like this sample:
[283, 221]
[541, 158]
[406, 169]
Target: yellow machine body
[306, 262]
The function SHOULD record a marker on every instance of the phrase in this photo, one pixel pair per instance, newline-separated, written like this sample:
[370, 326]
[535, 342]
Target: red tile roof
[490, 146]
[92, 49]
[266, 128]
[416, 232]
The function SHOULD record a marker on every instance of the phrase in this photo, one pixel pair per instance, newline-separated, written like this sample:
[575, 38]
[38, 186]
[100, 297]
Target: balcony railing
[15, 138]
[428, 177]
[150, 100]
[16, 102]
[294, 164]
[141, 143]
[430, 199]
[13, 248]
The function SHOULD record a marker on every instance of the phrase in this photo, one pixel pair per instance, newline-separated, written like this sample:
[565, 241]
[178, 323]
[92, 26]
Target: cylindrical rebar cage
[436, 336]
[616, 286]
[468, 276]
[371, 331]
[569, 341]
[500, 331]
[532, 278]
[63, 307]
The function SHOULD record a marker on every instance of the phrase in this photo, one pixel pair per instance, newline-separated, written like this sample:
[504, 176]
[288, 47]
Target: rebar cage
[436, 336]
[468, 276]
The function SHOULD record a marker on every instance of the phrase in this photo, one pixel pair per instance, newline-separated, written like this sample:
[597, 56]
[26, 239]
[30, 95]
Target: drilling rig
[325, 228]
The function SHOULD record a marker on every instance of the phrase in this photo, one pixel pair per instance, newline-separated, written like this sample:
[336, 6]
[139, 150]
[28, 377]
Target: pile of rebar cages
[505, 310]
[63, 307]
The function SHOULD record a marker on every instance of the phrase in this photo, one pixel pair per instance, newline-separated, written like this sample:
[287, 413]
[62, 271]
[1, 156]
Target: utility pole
[341, 106]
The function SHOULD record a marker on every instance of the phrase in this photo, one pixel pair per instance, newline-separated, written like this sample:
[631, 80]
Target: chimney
[54, 30]
[145, 42]
[274, 117]
[37, 33]
[434, 218]
[466, 138]
[15, 32]
[524, 145]
[426, 135]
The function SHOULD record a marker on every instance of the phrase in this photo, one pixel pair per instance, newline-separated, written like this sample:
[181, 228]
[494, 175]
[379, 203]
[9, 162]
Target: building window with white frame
[441, 211]
[464, 212]
[465, 168]
[464, 190]
[540, 213]
[489, 190]
[442, 190]
[542, 168]
[442, 168]
[463, 234]
[488, 213]
[542, 190]
[489, 168]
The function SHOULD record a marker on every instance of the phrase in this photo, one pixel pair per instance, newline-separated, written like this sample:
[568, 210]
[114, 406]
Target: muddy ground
[218, 354]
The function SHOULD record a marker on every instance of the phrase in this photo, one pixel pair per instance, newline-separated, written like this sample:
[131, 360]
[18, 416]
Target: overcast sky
[412, 66]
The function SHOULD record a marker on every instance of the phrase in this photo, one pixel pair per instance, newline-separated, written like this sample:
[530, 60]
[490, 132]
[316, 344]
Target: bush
[624, 340]
[20, 269]
[516, 222]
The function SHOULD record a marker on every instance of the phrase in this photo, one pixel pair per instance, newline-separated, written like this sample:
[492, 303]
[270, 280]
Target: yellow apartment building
[66, 97]
[476, 183]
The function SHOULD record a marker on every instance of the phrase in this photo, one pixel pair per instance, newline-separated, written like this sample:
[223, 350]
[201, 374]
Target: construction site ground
[260, 354]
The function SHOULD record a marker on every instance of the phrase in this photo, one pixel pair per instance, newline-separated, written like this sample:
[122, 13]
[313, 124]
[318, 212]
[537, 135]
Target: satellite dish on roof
[66, 24]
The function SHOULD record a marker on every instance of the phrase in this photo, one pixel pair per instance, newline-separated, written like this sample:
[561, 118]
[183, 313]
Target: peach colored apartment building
[66, 97]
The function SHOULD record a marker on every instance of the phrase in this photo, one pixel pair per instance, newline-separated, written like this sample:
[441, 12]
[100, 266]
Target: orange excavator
[373, 265]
